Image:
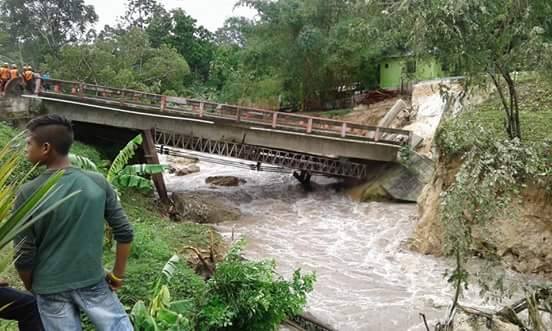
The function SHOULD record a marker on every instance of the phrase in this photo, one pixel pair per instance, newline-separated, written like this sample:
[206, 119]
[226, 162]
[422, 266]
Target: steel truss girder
[286, 159]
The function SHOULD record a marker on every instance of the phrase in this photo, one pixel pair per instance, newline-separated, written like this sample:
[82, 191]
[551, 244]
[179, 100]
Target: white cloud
[209, 13]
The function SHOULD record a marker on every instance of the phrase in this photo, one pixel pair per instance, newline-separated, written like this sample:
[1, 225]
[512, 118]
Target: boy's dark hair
[53, 129]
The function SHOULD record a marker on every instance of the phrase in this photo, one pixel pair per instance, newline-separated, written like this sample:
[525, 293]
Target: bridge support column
[304, 177]
[151, 158]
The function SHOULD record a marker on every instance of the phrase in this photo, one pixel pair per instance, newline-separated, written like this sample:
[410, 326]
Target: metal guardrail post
[377, 135]
[309, 125]
[201, 109]
[38, 86]
[163, 105]
[238, 114]
[344, 130]
[274, 120]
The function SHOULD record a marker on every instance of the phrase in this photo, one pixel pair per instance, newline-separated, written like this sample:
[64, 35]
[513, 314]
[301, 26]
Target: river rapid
[366, 277]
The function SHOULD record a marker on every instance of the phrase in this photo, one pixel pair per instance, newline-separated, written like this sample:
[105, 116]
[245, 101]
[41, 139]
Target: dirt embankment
[523, 240]
[367, 114]
[372, 114]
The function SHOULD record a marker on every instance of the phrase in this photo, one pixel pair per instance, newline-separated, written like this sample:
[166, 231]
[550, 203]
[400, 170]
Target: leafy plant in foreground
[162, 313]
[250, 295]
[241, 295]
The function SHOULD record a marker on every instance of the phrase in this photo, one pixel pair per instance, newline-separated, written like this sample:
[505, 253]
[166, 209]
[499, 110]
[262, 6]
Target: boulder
[184, 170]
[224, 181]
[181, 161]
[203, 208]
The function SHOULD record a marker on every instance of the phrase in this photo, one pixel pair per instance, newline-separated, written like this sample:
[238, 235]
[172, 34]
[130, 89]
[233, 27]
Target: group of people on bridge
[24, 79]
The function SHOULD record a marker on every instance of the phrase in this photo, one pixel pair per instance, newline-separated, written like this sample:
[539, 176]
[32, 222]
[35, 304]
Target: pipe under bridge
[312, 144]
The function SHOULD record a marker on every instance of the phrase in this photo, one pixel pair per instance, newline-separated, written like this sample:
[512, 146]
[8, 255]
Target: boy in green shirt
[60, 256]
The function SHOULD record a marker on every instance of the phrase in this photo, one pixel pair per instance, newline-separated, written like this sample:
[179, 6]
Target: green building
[399, 71]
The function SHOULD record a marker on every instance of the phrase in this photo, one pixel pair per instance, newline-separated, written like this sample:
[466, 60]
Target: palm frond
[20, 220]
[124, 157]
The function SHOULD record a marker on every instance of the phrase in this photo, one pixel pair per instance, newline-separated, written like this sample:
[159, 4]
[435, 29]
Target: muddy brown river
[366, 277]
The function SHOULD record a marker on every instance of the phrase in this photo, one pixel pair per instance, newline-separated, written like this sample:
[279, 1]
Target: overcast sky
[209, 13]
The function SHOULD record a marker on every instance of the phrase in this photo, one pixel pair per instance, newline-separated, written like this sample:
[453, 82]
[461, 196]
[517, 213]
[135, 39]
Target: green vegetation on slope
[458, 135]
[494, 171]
[156, 240]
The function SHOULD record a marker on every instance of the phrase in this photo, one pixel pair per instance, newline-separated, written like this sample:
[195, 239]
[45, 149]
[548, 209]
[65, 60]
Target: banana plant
[13, 222]
[120, 174]
[162, 313]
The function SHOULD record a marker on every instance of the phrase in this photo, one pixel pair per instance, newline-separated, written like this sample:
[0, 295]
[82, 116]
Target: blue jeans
[61, 311]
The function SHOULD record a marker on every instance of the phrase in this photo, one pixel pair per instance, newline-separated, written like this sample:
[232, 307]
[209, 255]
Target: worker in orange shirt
[4, 76]
[14, 73]
[28, 77]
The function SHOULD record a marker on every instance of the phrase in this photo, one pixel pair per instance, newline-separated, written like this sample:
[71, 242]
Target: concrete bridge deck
[314, 144]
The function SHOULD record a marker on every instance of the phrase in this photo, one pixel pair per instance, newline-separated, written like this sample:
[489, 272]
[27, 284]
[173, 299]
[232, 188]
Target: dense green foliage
[241, 295]
[304, 50]
[126, 60]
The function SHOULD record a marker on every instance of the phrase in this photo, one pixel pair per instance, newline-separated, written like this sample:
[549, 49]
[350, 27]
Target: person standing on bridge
[60, 256]
[28, 77]
[4, 76]
[14, 73]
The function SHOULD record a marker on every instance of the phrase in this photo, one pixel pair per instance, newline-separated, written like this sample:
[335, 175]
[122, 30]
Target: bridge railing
[210, 110]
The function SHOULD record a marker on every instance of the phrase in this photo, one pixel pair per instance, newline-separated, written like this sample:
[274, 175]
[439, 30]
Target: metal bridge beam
[286, 159]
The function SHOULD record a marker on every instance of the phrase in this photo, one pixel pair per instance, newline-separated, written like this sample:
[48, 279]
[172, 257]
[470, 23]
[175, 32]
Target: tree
[179, 30]
[480, 37]
[306, 50]
[44, 26]
[126, 60]
[140, 13]
[233, 31]
[241, 295]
